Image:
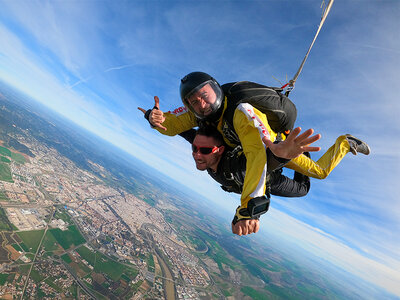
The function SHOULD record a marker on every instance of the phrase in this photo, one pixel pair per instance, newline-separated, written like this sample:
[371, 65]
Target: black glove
[242, 214]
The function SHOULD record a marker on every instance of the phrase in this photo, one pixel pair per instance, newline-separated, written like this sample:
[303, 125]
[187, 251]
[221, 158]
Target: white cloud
[67, 30]
[324, 245]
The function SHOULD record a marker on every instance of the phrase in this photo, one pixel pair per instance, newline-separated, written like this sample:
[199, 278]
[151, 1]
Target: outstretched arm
[169, 123]
[294, 145]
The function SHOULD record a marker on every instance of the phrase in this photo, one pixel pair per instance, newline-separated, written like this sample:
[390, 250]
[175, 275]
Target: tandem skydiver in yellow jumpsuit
[205, 101]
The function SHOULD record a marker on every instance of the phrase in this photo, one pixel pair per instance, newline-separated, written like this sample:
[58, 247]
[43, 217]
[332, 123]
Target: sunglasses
[204, 150]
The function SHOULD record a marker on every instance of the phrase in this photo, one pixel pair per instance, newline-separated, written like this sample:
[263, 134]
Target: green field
[24, 269]
[24, 247]
[31, 239]
[6, 278]
[109, 267]
[36, 276]
[87, 255]
[3, 278]
[50, 242]
[5, 172]
[269, 264]
[196, 242]
[3, 196]
[254, 294]
[226, 293]
[150, 263]
[17, 247]
[84, 268]
[103, 264]
[5, 159]
[220, 256]
[69, 237]
[74, 290]
[31, 256]
[5, 224]
[4, 151]
[18, 158]
[284, 293]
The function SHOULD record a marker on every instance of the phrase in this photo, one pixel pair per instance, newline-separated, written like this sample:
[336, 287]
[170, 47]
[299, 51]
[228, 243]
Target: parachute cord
[290, 84]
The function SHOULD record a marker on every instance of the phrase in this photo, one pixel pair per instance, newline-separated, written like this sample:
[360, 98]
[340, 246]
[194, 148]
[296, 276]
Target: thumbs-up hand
[156, 117]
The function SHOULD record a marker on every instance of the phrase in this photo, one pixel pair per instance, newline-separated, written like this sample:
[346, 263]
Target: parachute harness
[228, 172]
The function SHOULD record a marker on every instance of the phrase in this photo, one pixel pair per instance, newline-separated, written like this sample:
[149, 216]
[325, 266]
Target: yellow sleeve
[251, 126]
[177, 121]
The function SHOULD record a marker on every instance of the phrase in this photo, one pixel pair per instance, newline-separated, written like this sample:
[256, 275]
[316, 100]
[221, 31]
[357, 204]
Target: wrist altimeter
[255, 208]
[258, 206]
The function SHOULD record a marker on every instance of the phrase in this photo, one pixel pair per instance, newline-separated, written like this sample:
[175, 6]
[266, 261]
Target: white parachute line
[280, 82]
[323, 18]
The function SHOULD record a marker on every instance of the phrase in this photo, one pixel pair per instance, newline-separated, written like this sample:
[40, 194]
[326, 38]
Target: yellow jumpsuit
[250, 127]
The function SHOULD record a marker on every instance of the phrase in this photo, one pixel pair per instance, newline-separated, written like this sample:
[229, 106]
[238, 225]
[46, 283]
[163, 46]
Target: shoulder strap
[227, 171]
[268, 185]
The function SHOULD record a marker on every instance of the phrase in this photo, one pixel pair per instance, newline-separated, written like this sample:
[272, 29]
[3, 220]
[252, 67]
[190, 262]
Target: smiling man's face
[210, 160]
[202, 99]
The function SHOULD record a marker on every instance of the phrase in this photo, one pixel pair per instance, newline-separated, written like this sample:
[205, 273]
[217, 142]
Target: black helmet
[193, 82]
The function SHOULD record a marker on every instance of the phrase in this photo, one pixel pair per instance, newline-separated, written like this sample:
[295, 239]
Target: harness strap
[229, 175]
[268, 185]
[227, 170]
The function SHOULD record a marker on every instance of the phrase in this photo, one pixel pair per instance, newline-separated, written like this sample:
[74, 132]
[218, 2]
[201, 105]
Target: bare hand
[294, 145]
[156, 117]
[244, 227]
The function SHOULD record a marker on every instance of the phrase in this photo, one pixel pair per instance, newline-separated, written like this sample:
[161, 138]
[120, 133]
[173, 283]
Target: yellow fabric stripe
[176, 124]
[246, 122]
[325, 165]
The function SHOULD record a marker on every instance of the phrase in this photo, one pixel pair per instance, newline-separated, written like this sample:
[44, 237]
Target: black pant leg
[283, 186]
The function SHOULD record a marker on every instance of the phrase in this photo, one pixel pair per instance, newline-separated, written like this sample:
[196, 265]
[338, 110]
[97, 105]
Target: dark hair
[211, 131]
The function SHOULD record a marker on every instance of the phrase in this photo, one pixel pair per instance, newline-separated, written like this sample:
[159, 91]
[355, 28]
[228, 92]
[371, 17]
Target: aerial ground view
[72, 229]
[68, 233]
[100, 198]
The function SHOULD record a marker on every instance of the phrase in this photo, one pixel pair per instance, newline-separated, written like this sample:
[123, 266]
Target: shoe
[357, 145]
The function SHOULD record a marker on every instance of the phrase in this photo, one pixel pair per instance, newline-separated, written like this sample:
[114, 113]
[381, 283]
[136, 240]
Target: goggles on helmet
[205, 99]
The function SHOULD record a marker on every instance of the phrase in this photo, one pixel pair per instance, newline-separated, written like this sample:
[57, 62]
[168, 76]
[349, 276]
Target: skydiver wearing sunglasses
[228, 167]
[207, 140]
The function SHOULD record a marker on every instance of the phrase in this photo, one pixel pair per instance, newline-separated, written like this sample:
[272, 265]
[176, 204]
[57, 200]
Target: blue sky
[95, 62]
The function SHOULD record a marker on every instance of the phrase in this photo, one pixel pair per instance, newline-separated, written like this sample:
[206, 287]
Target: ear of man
[221, 149]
